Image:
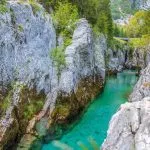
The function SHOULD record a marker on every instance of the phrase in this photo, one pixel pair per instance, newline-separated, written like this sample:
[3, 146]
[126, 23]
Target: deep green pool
[94, 122]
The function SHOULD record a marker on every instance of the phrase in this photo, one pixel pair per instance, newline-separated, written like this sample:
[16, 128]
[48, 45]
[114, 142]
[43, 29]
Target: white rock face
[139, 58]
[129, 128]
[25, 43]
[116, 60]
[84, 57]
[142, 88]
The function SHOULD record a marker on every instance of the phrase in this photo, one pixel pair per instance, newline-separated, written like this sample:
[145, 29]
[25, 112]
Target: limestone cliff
[27, 37]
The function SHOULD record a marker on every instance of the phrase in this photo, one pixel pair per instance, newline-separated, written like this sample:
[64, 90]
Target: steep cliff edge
[27, 39]
[129, 127]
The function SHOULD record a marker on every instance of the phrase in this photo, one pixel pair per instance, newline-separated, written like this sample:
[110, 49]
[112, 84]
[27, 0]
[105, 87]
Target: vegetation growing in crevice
[20, 28]
[58, 56]
[118, 44]
[5, 103]
[3, 8]
[32, 102]
[65, 17]
[35, 6]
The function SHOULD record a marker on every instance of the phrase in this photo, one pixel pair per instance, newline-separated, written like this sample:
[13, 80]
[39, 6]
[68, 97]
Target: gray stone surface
[142, 88]
[139, 58]
[26, 40]
[116, 60]
[84, 57]
[129, 128]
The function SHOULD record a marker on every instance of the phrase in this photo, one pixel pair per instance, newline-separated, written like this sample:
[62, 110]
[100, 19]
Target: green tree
[65, 17]
[97, 12]
[139, 24]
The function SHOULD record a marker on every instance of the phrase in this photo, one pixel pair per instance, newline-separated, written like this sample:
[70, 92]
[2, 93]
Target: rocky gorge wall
[129, 127]
[30, 88]
[126, 57]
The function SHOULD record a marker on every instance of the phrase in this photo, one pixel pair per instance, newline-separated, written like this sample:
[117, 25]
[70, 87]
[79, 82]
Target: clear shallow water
[94, 122]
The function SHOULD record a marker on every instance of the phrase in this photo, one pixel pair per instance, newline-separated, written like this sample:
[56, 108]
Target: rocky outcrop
[129, 127]
[84, 74]
[142, 88]
[27, 37]
[116, 59]
[138, 58]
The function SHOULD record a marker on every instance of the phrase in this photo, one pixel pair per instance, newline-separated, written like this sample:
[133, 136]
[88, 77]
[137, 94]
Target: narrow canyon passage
[94, 122]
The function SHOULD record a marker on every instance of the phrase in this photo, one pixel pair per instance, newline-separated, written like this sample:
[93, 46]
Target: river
[91, 130]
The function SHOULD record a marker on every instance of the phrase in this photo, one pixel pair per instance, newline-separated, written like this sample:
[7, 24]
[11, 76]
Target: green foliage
[65, 17]
[32, 108]
[139, 24]
[58, 56]
[20, 28]
[97, 12]
[119, 31]
[35, 6]
[3, 8]
[118, 44]
[140, 42]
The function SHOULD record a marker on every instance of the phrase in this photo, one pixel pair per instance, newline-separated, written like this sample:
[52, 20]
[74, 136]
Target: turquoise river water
[93, 125]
